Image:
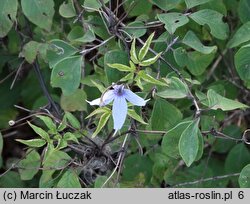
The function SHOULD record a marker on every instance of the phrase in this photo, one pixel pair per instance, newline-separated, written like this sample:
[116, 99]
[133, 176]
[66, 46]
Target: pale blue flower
[119, 94]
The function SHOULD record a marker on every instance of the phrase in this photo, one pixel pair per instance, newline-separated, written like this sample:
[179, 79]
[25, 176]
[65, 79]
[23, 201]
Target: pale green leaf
[69, 180]
[121, 67]
[67, 10]
[133, 54]
[244, 179]
[189, 143]
[73, 121]
[8, 11]
[33, 142]
[175, 89]
[146, 77]
[135, 116]
[49, 123]
[193, 3]
[67, 74]
[217, 101]
[42, 133]
[194, 42]
[150, 61]
[241, 36]
[102, 122]
[144, 50]
[173, 21]
[39, 12]
[213, 19]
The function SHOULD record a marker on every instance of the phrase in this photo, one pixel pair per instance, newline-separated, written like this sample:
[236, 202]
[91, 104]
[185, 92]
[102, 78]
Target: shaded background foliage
[193, 132]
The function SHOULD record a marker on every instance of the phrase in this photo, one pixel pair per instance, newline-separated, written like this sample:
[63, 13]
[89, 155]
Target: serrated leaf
[42, 133]
[189, 143]
[33, 142]
[150, 61]
[241, 36]
[121, 67]
[135, 116]
[73, 121]
[133, 54]
[67, 74]
[8, 11]
[175, 89]
[29, 166]
[194, 42]
[173, 21]
[102, 122]
[143, 75]
[244, 178]
[39, 12]
[217, 101]
[213, 19]
[49, 123]
[144, 50]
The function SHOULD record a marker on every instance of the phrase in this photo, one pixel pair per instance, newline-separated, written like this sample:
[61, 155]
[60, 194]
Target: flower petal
[133, 98]
[119, 112]
[107, 97]
[95, 102]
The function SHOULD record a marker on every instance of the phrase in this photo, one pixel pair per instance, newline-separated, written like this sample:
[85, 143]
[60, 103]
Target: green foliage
[183, 99]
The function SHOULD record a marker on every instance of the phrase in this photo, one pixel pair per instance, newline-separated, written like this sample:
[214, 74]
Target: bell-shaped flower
[120, 95]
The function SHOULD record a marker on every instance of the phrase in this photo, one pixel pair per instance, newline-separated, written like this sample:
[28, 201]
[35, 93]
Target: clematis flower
[120, 95]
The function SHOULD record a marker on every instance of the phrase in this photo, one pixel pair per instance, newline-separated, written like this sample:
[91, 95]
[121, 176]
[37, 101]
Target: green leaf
[33, 142]
[213, 19]
[171, 139]
[56, 159]
[136, 29]
[8, 11]
[189, 143]
[67, 10]
[237, 158]
[244, 10]
[135, 116]
[166, 4]
[72, 120]
[69, 180]
[39, 12]
[144, 50]
[164, 115]
[74, 102]
[121, 67]
[146, 77]
[59, 50]
[68, 136]
[98, 110]
[31, 50]
[42, 133]
[175, 89]
[137, 7]
[114, 57]
[150, 61]
[244, 179]
[77, 34]
[67, 74]
[94, 4]
[193, 3]
[49, 123]
[173, 21]
[217, 101]
[102, 122]
[194, 42]
[133, 54]
[241, 36]
[29, 166]
[11, 179]
[242, 62]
